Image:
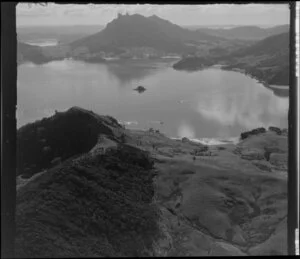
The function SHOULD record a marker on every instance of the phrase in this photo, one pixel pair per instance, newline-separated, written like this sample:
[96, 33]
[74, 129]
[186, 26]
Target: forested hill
[267, 60]
[139, 31]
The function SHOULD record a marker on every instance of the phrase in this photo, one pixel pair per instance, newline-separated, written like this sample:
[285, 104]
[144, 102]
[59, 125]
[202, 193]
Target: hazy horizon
[52, 15]
[188, 25]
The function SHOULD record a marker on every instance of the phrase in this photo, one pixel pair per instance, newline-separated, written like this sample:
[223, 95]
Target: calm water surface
[212, 103]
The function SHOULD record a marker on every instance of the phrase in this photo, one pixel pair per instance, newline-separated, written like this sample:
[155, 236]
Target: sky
[100, 14]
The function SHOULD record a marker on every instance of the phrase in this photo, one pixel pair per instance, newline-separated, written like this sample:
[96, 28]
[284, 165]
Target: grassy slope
[220, 204]
[231, 202]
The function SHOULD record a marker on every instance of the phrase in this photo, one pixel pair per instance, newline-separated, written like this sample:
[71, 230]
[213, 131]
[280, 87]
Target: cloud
[179, 14]
[33, 10]
[75, 11]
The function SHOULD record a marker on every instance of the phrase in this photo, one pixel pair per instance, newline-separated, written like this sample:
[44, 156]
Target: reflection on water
[256, 107]
[129, 72]
[205, 104]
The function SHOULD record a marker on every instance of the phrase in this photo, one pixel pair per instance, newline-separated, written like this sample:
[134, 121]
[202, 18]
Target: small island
[140, 89]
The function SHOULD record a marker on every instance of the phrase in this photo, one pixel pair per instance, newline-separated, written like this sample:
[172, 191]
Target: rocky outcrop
[275, 129]
[267, 150]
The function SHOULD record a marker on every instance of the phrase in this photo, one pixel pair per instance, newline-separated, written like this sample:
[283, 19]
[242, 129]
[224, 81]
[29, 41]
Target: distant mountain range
[246, 32]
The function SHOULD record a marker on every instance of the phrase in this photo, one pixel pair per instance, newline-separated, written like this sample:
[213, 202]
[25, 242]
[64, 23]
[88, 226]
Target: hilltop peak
[155, 16]
[129, 31]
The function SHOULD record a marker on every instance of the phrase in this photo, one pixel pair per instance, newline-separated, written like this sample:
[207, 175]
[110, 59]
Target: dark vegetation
[193, 63]
[276, 75]
[218, 51]
[257, 131]
[99, 207]
[275, 129]
[63, 135]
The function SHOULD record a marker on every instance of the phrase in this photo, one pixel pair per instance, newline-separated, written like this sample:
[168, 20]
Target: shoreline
[210, 141]
[99, 60]
[215, 141]
[261, 81]
[239, 70]
[163, 60]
